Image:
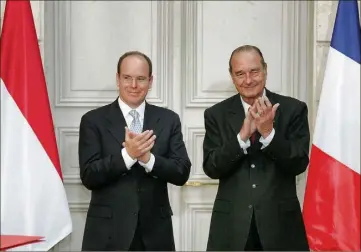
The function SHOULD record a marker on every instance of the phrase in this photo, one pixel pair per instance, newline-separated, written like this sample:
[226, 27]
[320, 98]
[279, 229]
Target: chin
[135, 100]
[251, 93]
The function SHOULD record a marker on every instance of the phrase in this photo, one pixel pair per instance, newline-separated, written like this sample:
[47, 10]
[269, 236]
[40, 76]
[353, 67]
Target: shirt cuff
[129, 162]
[244, 145]
[148, 166]
[266, 141]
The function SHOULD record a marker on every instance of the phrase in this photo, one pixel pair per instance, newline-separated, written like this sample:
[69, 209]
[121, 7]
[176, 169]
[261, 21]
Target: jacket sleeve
[96, 171]
[290, 152]
[220, 158]
[175, 168]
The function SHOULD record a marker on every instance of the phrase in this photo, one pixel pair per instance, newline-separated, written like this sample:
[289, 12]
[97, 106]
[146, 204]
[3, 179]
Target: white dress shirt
[265, 141]
[129, 162]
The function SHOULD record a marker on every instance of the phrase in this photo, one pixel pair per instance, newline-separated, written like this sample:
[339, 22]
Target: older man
[256, 143]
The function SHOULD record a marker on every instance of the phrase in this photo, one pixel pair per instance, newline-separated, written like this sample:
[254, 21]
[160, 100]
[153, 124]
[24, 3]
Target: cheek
[238, 83]
[144, 90]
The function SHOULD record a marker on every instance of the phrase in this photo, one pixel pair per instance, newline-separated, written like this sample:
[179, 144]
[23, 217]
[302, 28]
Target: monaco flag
[33, 199]
[332, 199]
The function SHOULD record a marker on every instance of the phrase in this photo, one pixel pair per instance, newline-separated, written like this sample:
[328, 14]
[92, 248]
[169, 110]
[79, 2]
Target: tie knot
[134, 114]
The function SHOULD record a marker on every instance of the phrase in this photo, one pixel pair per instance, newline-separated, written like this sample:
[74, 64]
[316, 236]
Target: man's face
[133, 80]
[248, 74]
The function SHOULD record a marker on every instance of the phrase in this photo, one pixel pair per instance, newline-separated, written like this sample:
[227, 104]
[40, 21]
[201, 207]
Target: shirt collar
[126, 109]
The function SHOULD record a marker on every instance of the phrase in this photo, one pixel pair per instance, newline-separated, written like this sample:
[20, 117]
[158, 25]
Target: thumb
[249, 113]
[131, 134]
[126, 134]
[274, 108]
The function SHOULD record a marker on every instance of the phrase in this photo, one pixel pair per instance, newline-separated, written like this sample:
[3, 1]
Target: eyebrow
[252, 69]
[240, 71]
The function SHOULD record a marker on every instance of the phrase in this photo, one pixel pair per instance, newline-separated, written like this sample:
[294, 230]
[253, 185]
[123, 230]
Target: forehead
[246, 60]
[134, 65]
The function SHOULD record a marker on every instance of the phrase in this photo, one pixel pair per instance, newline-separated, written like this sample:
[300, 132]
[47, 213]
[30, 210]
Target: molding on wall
[189, 223]
[66, 96]
[194, 134]
[293, 55]
[63, 133]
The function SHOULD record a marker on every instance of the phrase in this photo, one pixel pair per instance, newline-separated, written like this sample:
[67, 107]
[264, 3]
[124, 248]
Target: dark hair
[135, 53]
[246, 48]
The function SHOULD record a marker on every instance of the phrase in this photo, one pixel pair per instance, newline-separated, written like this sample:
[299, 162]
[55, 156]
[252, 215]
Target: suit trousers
[253, 242]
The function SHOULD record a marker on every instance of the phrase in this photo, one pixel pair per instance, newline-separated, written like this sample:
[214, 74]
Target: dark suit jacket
[120, 198]
[262, 181]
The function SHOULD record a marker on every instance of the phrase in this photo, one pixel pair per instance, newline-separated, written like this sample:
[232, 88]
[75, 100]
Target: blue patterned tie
[136, 126]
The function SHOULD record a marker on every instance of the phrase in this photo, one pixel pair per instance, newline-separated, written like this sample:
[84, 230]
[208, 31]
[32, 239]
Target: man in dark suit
[256, 143]
[128, 151]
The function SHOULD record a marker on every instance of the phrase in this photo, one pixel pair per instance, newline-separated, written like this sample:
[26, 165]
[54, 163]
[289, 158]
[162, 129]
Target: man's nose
[134, 83]
[248, 78]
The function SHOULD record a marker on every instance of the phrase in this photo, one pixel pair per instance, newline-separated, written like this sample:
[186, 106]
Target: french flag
[33, 198]
[332, 199]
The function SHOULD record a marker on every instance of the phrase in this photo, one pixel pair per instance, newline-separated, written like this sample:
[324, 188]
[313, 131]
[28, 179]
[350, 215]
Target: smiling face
[133, 80]
[248, 74]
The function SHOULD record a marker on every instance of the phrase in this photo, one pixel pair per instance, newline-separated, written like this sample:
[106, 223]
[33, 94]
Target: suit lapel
[152, 120]
[117, 122]
[236, 114]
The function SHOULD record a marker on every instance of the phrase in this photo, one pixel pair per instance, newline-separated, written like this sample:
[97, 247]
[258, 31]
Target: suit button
[249, 206]
[135, 214]
[254, 186]
[253, 166]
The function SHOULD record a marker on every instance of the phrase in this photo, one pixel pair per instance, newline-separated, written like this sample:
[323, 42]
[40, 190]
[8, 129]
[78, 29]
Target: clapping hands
[260, 117]
[138, 146]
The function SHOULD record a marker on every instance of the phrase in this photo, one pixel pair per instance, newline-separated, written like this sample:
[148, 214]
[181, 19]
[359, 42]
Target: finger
[132, 134]
[274, 108]
[268, 103]
[248, 115]
[145, 137]
[258, 107]
[148, 148]
[253, 110]
[254, 114]
[148, 142]
[141, 135]
[126, 134]
[263, 104]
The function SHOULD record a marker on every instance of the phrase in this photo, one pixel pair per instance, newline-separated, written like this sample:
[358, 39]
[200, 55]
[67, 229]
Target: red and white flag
[332, 199]
[33, 198]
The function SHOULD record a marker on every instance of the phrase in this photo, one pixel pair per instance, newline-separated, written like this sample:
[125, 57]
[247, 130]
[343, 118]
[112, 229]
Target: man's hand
[138, 146]
[249, 126]
[264, 115]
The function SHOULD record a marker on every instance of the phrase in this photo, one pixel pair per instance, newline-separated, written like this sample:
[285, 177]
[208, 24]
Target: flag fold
[332, 199]
[33, 198]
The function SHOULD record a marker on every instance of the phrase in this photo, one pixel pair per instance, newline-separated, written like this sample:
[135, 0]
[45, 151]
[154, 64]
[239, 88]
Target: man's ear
[117, 79]
[265, 71]
[150, 82]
